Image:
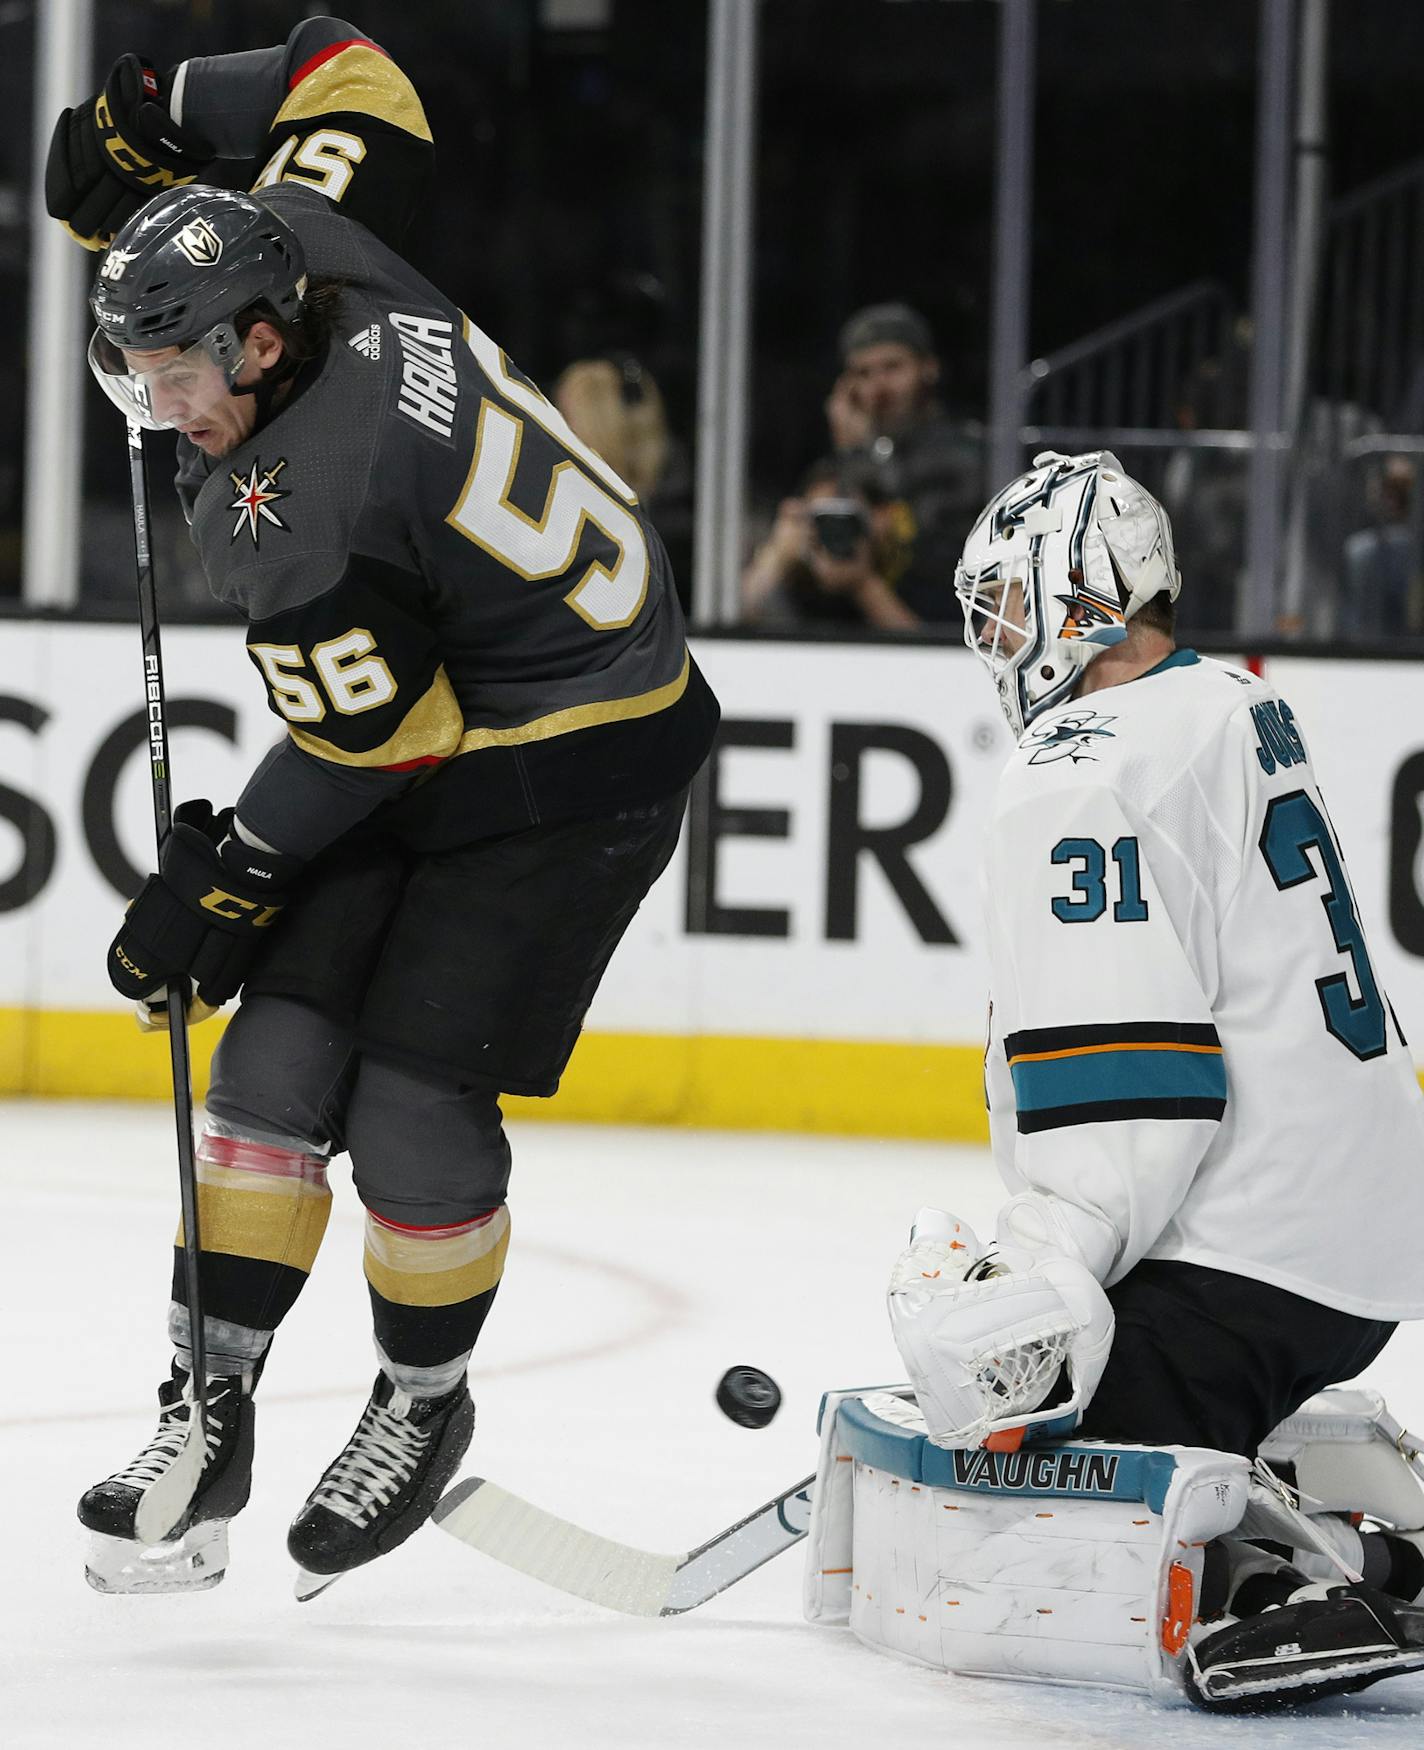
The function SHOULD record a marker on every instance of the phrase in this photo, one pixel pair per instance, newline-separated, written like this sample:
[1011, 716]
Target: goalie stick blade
[617, 1575]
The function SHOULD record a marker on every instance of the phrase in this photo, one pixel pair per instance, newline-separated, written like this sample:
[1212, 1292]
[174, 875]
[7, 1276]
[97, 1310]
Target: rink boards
[813, 959]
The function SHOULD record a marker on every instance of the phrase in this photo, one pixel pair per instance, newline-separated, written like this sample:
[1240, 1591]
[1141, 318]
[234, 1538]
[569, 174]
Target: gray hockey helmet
[177, 275]
[191, 259]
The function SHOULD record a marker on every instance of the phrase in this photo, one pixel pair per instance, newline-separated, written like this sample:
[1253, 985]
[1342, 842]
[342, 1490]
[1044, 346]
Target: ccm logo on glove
[201, 915]
[228, 905]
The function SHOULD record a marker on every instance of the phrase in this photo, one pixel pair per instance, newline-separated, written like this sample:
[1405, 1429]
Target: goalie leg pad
[1078, 1562]
[1349, 1455]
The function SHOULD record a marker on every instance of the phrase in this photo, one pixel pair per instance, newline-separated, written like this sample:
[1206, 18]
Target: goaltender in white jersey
[1190, 1053]
[1201, 1100]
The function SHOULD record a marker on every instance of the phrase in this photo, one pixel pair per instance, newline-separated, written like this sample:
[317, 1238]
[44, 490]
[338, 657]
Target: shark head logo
[1068, 738]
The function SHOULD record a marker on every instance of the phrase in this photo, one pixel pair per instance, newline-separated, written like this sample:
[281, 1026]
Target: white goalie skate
[136, 1544]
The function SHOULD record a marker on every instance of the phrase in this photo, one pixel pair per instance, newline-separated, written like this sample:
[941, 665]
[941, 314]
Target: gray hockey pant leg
[431, 1163]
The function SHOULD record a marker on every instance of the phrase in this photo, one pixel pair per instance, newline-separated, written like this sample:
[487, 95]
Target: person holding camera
[821, 563]
[888, 424]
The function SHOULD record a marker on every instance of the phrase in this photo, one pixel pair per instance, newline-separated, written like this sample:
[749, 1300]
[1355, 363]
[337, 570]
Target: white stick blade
[166, 1501]
[547, 1548]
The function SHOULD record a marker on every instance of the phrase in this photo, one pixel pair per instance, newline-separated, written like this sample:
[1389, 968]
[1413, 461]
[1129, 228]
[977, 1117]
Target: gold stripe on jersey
[425, 1269]
[358, 81]
[580, 717]
[429, 730]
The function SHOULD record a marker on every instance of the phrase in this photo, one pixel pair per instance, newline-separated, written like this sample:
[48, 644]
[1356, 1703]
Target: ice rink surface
[643, 1264]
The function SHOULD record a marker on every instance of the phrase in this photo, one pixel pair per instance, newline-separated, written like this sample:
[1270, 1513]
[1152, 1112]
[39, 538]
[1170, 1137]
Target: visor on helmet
[176, 392]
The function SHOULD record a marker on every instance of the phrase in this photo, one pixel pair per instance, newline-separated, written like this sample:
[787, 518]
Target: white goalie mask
[1056, 565]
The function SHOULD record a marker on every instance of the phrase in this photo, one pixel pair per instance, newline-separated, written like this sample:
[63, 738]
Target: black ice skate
[193, 1554]
[1301, 1652]
[384, 1483]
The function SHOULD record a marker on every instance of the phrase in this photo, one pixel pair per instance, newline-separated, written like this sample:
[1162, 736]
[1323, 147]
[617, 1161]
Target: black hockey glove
[204, 916]
[111, 154]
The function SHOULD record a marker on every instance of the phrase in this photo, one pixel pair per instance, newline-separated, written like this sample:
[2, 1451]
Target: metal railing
[1371, 323]
[1139, 371]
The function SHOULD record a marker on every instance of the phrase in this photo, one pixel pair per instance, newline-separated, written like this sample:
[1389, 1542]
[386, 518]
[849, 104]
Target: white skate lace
[379, 1460]
[167, 1442]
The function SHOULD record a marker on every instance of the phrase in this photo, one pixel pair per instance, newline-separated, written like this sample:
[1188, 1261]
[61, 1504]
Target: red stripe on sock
[322, 55]
[260, 1157]
[434, 1233]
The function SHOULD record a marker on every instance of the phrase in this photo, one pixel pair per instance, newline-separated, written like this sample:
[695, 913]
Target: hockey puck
[748, 1396]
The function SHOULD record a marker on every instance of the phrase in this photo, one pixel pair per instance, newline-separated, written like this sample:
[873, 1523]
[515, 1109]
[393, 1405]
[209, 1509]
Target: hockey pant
[430, 1162]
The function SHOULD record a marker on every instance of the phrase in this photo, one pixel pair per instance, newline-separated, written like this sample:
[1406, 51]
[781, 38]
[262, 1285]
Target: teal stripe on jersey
[1087, 1078]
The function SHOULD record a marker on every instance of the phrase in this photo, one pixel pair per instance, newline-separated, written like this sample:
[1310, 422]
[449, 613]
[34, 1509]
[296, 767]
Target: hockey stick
[167, 1500]
[618, 1575]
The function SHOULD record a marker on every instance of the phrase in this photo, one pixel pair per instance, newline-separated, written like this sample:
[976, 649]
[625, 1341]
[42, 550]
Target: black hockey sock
[1393, 1564]
[262, 1211]
[432, 1287]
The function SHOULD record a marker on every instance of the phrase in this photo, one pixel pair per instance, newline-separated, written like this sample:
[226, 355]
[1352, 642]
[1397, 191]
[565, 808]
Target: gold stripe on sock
[260, 1215]
[414, 1269]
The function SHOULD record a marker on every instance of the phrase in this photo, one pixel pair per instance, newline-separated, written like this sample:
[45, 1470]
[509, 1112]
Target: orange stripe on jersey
[1097, 1050]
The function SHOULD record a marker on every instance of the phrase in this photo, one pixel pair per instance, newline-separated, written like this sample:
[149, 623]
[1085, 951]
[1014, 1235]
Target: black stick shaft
[159, 775]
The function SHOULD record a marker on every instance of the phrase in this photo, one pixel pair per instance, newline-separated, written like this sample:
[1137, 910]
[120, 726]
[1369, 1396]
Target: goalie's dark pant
[400, 995]
[1206, 1358]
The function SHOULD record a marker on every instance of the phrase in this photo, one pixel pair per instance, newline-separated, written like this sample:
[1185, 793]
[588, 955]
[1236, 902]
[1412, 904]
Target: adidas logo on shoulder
[368, 341]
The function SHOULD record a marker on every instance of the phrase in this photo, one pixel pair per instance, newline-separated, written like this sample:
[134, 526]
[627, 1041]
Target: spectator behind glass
[821, 562]
[1206, 490]
[886, 420]
[613, 404]
[1381, 569]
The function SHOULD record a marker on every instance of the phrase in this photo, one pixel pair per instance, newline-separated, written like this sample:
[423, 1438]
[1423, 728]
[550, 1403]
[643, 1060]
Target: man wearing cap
[887, 422]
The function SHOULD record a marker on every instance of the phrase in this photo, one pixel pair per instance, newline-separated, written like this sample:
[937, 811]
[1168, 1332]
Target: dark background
[571, 163]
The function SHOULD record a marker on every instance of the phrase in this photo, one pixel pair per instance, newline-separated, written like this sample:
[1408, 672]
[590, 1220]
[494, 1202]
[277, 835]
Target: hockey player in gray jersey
[1201, 1101]
[469, 635]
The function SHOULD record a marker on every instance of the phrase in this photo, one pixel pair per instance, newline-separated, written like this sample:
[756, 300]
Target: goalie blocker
[1086, 1562]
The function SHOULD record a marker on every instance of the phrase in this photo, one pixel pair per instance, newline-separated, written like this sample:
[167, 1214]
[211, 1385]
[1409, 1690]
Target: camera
[838, 525]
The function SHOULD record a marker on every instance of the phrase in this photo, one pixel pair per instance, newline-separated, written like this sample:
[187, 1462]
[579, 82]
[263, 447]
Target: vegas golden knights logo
[256, 493]
[200, 243]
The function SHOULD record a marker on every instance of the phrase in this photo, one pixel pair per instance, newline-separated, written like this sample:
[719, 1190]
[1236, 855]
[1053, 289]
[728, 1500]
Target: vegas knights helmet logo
[256, 493]
[200, 243]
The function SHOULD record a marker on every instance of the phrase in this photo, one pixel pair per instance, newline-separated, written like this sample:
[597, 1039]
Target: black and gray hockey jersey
[456, 605]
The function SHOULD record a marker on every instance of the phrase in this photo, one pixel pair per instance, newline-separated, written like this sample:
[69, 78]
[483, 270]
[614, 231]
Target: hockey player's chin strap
[267, 390]
[269, 385]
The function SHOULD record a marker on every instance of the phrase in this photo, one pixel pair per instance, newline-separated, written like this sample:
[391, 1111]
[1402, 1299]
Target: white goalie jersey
[1189, 1050]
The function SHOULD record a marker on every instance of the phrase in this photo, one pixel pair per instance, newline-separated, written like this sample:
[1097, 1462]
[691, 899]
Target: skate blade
[309, 1585]
[1343, 1673]
[191, 1563]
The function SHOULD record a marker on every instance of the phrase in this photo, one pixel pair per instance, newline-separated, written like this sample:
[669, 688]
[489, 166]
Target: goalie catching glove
[111, 154]
[204, 915]
[995, 1343]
